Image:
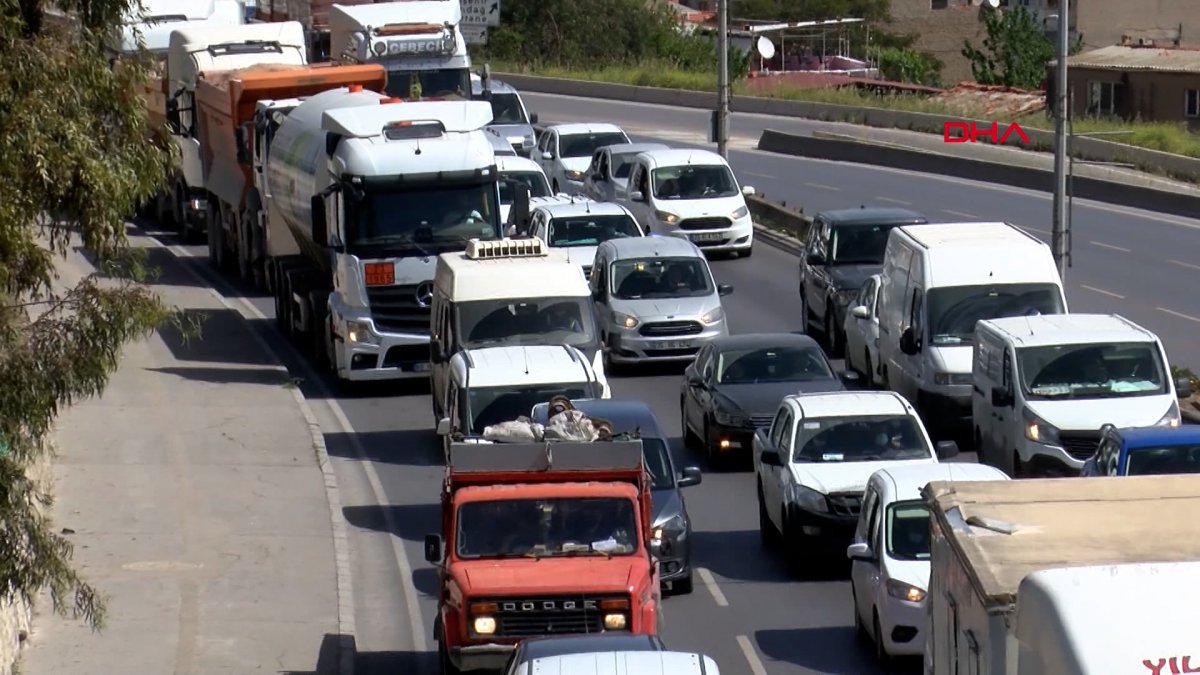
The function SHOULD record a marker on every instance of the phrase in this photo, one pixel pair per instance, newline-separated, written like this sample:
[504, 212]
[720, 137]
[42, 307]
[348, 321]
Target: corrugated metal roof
[1154, 59]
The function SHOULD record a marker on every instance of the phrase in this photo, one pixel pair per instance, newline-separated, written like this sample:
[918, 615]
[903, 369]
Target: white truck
[371, 191]
[151, 27]
[212, 49]
[1071, 576]
[419, 42]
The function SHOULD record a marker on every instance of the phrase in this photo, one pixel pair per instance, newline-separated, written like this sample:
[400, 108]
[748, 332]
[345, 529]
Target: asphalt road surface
[745, 611]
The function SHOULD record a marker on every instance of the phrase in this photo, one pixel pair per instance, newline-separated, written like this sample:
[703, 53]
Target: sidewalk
[192, 494]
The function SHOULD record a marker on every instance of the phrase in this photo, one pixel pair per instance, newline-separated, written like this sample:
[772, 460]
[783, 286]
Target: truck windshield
[1164, 460]
[858, 244]
[954, 310]
[694, 182]
[537, 528]
[415, 84]
[591, 230]
[528, 322]
[536, 182]
[908, 530]
[1109, 370]
[493, 405]
[635, 279]
[422, 218]
[506, 109]
[867, 438]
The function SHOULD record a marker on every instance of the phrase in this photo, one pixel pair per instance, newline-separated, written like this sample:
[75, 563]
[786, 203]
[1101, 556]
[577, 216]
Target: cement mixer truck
[372, 190]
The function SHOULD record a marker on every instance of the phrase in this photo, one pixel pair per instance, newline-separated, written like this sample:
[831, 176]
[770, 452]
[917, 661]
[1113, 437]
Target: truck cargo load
[988, 538]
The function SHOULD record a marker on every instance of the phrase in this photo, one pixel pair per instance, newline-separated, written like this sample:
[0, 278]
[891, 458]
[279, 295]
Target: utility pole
[721, 117]
[1061, 238]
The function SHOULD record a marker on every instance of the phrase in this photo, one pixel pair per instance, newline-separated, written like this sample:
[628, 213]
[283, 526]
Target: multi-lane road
[745, 611]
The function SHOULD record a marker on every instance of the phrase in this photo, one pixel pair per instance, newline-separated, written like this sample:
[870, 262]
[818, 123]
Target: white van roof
[969, 254]
[904, 482]
[525, 365]
[1058, 329]
[626, 663]
[550, 275]
[1007, 529]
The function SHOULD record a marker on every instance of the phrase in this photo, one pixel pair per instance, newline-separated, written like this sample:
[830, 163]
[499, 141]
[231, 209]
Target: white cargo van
[507, 292]
[1045, 385]
[988, 538]
[623, 663]
[938, 281]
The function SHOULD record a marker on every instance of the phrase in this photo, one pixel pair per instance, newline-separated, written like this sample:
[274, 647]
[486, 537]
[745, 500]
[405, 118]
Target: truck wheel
[245, 250]
[446, 666]
[277, 271]
[318, 302]
[257, 240]
[216, 238]
[179, 206]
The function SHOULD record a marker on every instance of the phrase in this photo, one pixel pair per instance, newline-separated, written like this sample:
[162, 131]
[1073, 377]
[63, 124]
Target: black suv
[844, 248]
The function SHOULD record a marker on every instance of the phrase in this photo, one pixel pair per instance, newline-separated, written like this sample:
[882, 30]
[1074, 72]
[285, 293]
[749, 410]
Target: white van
[623, 663]
[938, 281]
[506, 292]
[1045, 385]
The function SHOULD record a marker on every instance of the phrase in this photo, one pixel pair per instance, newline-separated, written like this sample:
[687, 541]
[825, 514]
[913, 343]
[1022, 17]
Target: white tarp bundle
[564, 424]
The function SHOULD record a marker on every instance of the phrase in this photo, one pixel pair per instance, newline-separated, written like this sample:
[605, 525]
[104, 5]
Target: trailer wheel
[257, 241]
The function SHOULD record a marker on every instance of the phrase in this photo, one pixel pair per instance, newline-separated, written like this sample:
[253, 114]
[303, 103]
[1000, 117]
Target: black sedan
[736, 383]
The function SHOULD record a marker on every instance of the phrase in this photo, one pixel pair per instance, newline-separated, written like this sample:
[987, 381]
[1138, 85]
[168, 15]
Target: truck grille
[395, 309]
[665, 328]
[1080, 445]
[550, 615]
[705, 224]
[845, 504]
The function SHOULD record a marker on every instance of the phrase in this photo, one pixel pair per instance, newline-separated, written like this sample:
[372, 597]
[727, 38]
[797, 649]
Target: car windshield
[585, 145]
[534, 180]
[421, 218]
[860, 439]
[493, 405]
[858, 244]
[622, 164]
[506, 109]
[591, 230]
[538, 528]
[694, 181]
[527, 322]
[908, 530]
[1161, 461]
[954, 310]
[1108, 370]
[634, 279]
[772, 364]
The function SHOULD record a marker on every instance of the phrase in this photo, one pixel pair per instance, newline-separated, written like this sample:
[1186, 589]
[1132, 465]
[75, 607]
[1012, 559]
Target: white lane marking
[1110, 246]
[1181, 315]
[824, 187]
[960, 214]
[756, 664]
[1190, 266]
[889, 200]
[416, 624]
[1102, 291]
[711, 584]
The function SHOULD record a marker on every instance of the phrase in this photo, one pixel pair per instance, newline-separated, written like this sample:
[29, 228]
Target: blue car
[673, 527]
[1145, 452]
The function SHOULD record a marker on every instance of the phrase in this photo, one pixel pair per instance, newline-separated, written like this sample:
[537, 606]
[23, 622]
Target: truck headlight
[615, 622]
[807, 498]
[712, 316]
[359, 332]
[1172, 418]
[624, 320]
[1039, 430]
[484, 625]
[903, 591]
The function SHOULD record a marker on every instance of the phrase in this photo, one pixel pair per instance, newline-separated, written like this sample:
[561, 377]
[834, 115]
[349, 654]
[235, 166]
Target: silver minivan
[655, 299]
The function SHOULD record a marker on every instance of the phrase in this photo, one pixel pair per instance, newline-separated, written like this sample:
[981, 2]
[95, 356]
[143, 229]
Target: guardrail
[1092, 149]
[786, 228]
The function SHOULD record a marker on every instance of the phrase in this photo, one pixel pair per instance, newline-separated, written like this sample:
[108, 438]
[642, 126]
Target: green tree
[75, 160]
[1015, 51]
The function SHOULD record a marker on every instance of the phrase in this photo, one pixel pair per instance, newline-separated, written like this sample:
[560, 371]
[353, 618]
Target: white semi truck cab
[151, 27]
[419, 42]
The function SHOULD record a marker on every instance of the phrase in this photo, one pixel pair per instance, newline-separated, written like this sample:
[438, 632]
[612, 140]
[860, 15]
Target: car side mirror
[1183, 387]
[909, 344]
[443, 428]
[637, 196]
[947, 449]
[690, 476]
[748, 191]
[533, 118]
[433, 548]
[849, 377]
[860, 551]
[724, 289]
[1001, 398]
[861, 312]
[815, 259]
[547, 155]
[770, 458]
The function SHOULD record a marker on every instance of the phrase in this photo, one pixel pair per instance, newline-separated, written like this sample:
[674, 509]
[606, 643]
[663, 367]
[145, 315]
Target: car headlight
[903, 591]
[728, 419]
[624, 320]
[712, 316]
[807, 498]
[669, 527]
[945, 379]
[575, 175]
[359, 332]
[741, 212]
[666, 217]
[1172, 418]
[1039, 430]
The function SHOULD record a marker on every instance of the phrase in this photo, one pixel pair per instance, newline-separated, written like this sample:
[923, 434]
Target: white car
[579, 225]
[861, 329]
[565, 151]
[812, 465]
[890, 554]
[607, 176]
[519, 170]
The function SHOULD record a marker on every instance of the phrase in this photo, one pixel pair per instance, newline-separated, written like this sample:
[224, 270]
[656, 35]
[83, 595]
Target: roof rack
[505, 248]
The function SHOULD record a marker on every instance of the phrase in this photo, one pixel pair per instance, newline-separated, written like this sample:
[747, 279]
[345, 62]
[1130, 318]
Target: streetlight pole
[1061, 230]
[721, 118]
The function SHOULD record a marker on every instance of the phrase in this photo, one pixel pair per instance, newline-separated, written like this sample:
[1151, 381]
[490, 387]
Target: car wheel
[767, 533]
[793, 550]
[881, 654]
[682, 586]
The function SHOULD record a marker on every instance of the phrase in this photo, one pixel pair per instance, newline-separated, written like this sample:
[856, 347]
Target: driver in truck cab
[463, 211]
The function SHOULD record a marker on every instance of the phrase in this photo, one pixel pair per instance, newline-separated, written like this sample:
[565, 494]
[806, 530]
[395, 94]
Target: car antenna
[525, 353]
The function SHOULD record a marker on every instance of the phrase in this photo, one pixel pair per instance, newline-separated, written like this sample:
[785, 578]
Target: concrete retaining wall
[1093, 149]
[16, 616]
[780, 219]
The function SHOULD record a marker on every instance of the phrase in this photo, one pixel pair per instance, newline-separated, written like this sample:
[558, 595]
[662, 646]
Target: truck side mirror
[1001, 397]
[433, 548]
[909, 344]
[533, 119]
[320, 227]
[239, 141]
[947, 449]
[861, 312]
[860, 551]
[173, 115]
[443, 427]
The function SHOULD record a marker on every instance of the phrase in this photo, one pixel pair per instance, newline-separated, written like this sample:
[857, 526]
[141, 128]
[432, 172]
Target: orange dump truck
[237, 113]
[541, 539]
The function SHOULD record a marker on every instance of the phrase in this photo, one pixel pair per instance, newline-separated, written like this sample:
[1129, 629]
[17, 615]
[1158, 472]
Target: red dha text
[970, 132]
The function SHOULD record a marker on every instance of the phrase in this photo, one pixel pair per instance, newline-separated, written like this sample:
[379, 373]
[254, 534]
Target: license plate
[707, 236]
[676, 344]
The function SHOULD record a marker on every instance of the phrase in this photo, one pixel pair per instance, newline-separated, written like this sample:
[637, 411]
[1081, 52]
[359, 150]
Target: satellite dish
[992, 3]
[766, 48]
